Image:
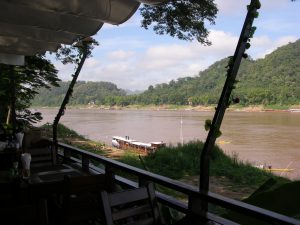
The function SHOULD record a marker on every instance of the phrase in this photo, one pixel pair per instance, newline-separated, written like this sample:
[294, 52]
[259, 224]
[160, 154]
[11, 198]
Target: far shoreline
[198, 108]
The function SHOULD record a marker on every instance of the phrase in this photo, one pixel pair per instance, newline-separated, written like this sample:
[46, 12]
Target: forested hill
[83, 93]
[272, 80]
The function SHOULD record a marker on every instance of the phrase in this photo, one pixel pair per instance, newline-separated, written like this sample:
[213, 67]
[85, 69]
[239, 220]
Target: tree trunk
[66, 99]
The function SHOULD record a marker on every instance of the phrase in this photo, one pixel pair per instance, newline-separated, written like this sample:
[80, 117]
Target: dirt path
[107, 151]
[223, 186]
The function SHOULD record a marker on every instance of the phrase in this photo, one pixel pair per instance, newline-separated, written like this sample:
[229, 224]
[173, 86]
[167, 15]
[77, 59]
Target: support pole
[12, 110]
[233, 66]
[68, 95]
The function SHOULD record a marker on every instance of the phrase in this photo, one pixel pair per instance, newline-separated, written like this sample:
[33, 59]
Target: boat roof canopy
[29, 27]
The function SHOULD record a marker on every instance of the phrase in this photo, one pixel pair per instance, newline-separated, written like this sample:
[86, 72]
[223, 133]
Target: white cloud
[120, 55]
[271, 4]
[170, 52]
[119, 43]
[91, 62]
[230, 6]
[64, 71]
[158, 63]
[264, 45]
[234, 7]
[116, 68]
[222, 42]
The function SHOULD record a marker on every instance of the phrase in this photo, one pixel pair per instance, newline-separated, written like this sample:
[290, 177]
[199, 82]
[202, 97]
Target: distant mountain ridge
[85, 92]
[274, 79]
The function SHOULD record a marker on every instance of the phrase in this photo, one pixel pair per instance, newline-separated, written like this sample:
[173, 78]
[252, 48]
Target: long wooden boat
[278, 170]
[127, 143]
[270, 169]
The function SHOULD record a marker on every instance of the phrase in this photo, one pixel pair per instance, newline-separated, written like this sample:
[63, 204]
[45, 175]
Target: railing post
[85, 163]
[143, 182]
[53, 154]
[67, 154]
[194, 207]
[110, 179]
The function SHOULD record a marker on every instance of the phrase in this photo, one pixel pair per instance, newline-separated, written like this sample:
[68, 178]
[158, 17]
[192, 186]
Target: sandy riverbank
[238, 108]
[200, 108]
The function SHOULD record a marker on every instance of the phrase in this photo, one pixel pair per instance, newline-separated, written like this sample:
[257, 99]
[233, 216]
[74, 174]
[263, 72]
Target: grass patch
[240, 172]
[131, 159]
[180, 161]
[63, 132]
[69, 136]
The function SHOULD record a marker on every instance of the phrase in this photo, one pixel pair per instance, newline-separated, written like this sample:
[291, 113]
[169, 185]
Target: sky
[134, 58]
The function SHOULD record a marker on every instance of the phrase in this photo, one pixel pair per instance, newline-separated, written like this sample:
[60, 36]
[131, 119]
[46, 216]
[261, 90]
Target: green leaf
[207, 125]
[218, 133]
[257, 4]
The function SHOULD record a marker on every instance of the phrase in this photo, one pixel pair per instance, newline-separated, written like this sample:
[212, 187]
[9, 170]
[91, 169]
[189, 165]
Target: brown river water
[270, 138]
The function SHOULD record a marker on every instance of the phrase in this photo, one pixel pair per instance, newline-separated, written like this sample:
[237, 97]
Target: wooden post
[110, 179]
[85, 163]
[12, 110]
[143, 182]
[194, 205]
[54, 156]
[225, 98]
[67, 154]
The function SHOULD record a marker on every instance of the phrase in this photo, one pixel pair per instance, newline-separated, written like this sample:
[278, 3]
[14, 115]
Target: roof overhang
[29, 27]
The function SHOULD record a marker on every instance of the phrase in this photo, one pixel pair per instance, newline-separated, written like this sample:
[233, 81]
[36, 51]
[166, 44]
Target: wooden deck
[47, 187]
[88, 162]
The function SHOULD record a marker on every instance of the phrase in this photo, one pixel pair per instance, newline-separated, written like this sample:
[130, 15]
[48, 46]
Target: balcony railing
[88, 161]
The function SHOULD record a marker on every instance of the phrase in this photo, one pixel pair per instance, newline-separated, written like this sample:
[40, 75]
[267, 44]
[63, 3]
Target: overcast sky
[134, 58]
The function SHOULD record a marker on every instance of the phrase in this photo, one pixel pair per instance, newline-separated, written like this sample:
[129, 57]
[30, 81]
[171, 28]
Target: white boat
[294, 110]
[127, 143]
[115, 143]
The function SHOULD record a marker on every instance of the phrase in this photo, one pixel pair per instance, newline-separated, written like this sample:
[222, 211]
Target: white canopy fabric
[15, 60]
[29, 27]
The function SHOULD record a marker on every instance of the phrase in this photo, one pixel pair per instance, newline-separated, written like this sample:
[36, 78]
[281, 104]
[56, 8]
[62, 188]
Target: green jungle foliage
[19, 85]
[84, 93]
[186, 20]
[273, 80]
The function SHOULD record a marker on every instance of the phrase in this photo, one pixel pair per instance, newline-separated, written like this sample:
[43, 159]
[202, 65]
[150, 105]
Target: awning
[28, 27]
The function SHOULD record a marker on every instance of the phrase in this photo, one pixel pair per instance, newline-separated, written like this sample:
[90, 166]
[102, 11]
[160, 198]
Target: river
[270, 138]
